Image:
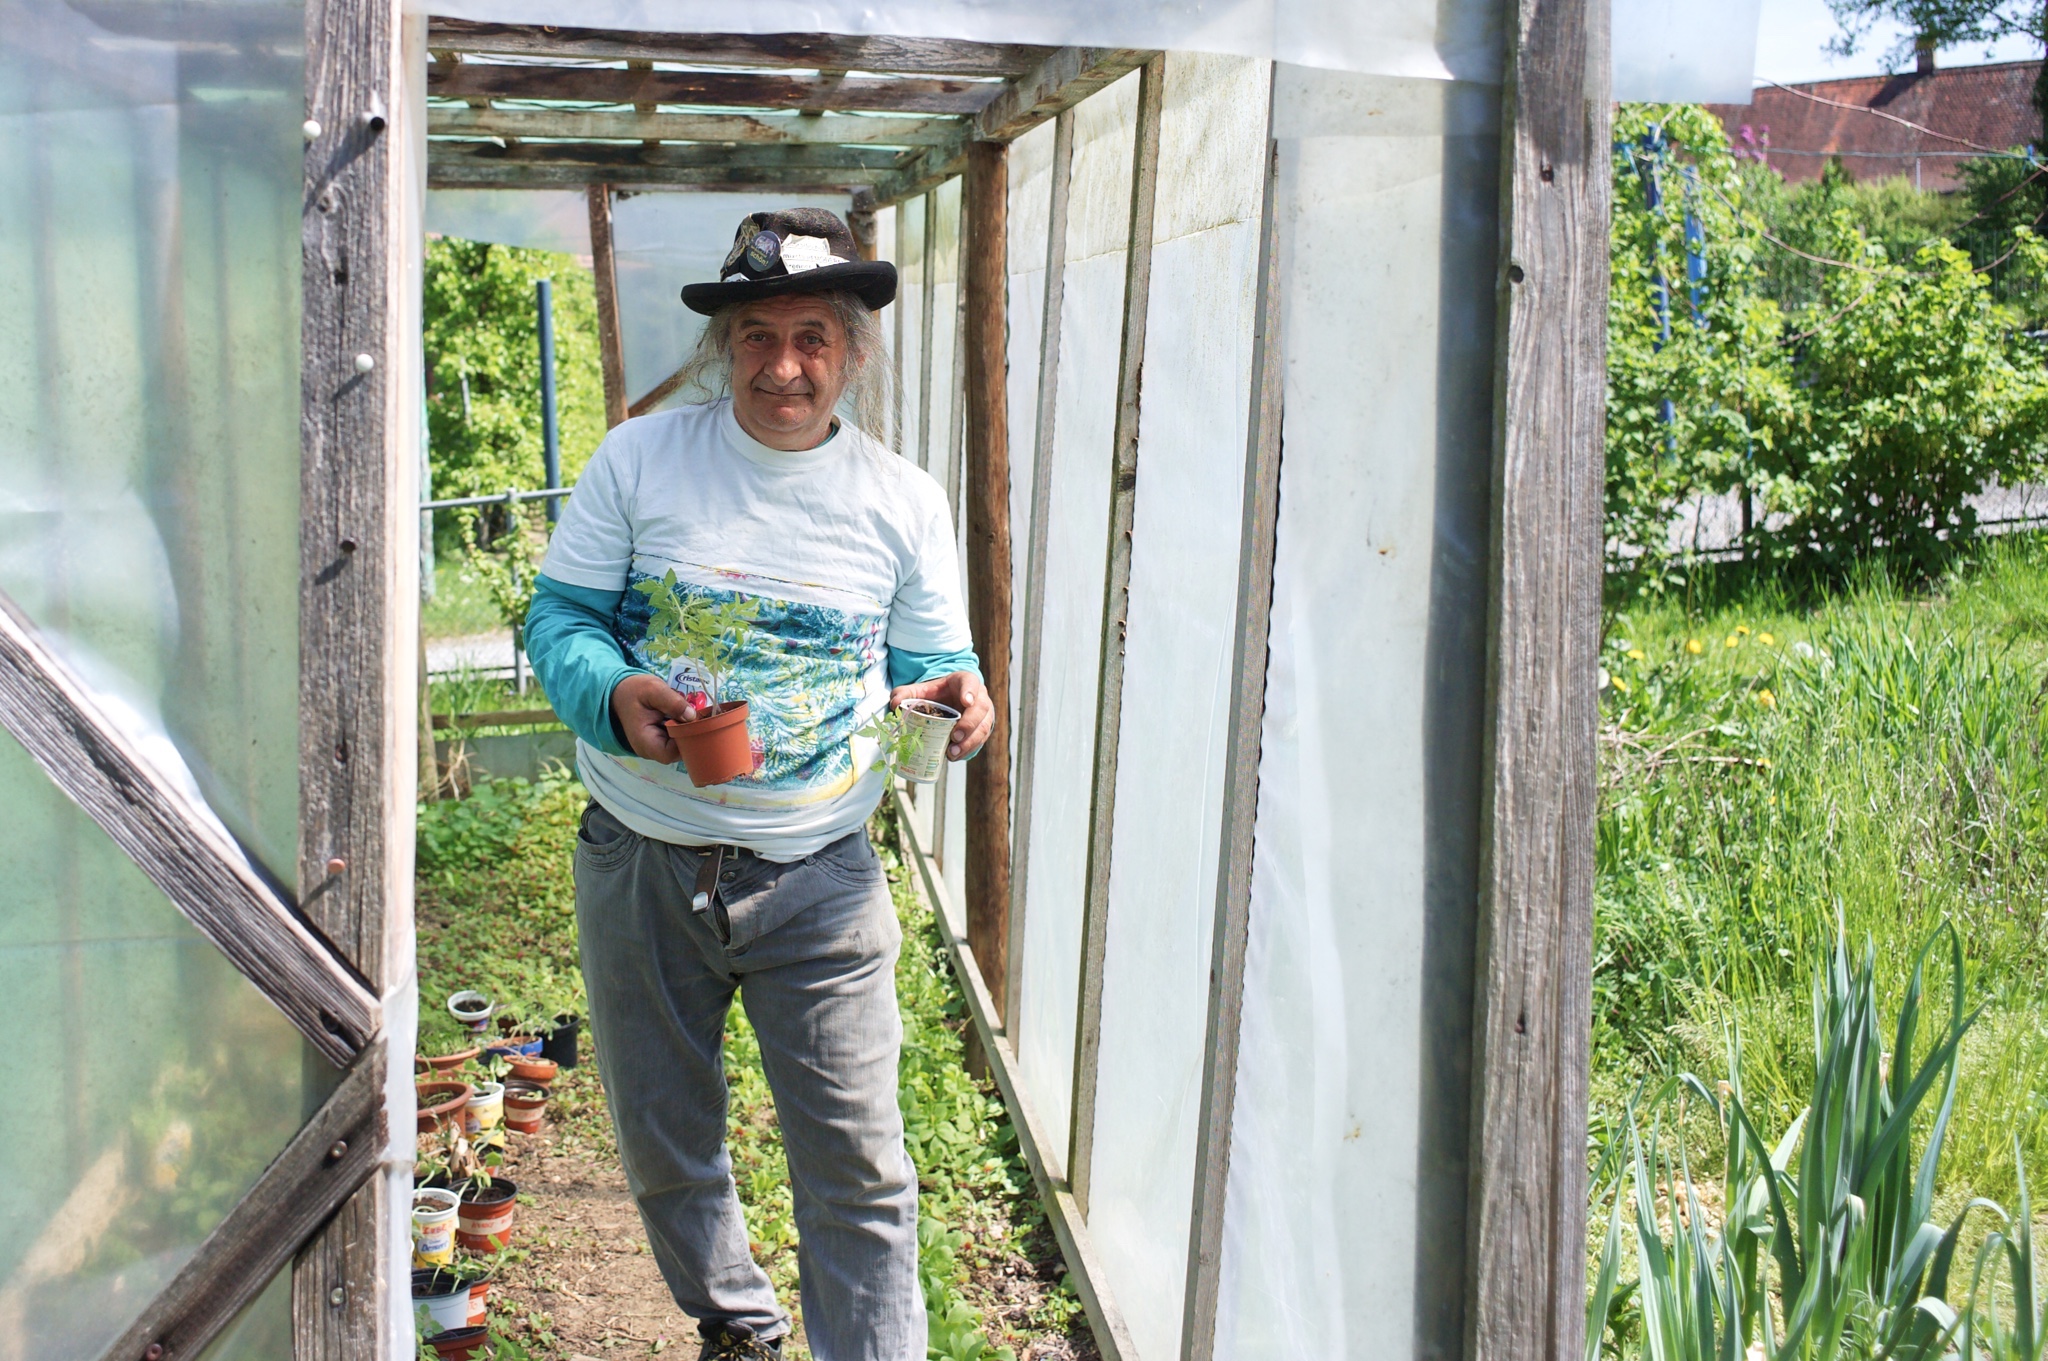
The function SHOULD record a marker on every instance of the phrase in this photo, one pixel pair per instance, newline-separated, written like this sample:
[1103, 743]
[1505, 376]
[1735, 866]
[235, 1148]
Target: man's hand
[964, 691]
[643, 704]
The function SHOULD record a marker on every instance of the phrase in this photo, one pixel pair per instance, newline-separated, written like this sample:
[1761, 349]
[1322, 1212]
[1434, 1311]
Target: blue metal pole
[551, 441]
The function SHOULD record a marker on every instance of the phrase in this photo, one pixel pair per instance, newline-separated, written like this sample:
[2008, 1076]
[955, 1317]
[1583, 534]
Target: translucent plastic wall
[149, 394]
[1343, 1233]
[1177, 663]
[1091, 329]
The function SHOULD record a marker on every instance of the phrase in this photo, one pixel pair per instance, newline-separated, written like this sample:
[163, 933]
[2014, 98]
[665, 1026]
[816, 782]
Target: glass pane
[152, 1083]
[1084, 425]
[1178, 650]
[150, 177]
[263, 1330]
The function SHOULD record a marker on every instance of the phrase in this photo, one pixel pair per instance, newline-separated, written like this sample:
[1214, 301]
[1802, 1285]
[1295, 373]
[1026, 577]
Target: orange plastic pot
[440, 1104]
[536, 1070]
[483, 1223]
[715, 748]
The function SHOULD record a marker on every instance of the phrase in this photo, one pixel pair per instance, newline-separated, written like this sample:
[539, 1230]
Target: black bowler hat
[800, 250]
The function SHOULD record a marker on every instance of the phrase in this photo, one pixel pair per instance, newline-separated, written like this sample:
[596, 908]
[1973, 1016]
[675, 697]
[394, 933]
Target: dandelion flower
[1732, 641]
[1767, 640]
[1767, 699]
[1692, 645]
[1618, 683]
[1742, 629]
[1635, 654]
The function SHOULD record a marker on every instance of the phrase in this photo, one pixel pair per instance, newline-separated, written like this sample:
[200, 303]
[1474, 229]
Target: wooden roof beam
[746, 129]
[1066, 77]
[534, 165]
[610, 85]
[807, 51]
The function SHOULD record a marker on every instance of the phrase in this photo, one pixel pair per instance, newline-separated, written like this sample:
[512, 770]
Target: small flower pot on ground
[716, 747]
[471, 1008]
[433, 1226]
[485, 1111]
[559, 1044]
[443, 1296]
[515, 1046]
[484, 1223]
[460, 1344]
[446, 1063]
[479, 1295]
[533, 1068]
[525, 1106]
[440, 1104]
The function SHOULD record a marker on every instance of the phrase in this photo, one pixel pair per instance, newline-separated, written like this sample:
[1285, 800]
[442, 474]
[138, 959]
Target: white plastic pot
[447, 1311]
[471, 1007]
[486, 1108]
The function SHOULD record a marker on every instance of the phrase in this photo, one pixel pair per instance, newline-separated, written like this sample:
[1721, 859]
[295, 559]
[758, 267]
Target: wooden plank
[712, 89]
[610, 347]
[627, 158]
[896, 337]
[1257, 537]
[1526, 1278]
[337, 1151]
[809, 51]
[181, 848]
[1032, 655]
[497, 718]
[1085, 1270]
[346, 1257]
[661, 391]
[351, 387]
[1067, 76]
[1116, 600]
[449, 172]
[984, 345]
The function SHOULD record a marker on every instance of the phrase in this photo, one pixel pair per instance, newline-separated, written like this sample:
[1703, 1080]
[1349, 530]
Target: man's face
[789, 367]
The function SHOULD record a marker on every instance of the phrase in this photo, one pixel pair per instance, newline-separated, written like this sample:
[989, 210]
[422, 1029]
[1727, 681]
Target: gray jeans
[812, 954]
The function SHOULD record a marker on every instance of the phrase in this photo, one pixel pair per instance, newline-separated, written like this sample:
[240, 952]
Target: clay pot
[533, 1069]
[445, 1063]
[484, 1221]
[440, 1104]
[715, 748]
[525, 1106]
[460, 1344]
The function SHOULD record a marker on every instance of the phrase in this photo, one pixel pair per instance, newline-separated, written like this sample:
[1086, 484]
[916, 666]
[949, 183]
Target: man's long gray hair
[707, 374]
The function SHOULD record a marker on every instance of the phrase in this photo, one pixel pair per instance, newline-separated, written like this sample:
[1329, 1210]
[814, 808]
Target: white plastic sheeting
[1343, 1233]
[1178, 648]
[1671, 50]
[1091, 328]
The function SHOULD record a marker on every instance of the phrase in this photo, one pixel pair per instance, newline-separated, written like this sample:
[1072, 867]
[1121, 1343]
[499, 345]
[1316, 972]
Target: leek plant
[1827, 1248]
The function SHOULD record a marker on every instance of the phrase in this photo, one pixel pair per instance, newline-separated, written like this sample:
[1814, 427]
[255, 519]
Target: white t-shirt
[838, 552]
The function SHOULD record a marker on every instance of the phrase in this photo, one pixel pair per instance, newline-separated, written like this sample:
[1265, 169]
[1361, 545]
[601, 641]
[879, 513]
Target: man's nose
[785, 365]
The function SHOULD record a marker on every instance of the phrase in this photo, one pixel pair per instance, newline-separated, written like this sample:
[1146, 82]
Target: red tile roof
[1975, 106]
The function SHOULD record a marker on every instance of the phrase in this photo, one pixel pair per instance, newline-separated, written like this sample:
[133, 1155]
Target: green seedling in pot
[693, 629]
[895, 740]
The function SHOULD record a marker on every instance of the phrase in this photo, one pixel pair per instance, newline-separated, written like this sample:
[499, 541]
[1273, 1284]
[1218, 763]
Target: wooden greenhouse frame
[326, 958]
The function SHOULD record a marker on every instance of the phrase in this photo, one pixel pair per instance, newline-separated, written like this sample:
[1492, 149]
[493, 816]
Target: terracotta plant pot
[533, 1069]
[715, 748]
[461, 1344]
[525, 1106]
[446, 1063]
[484, 1223]
[440, 1104]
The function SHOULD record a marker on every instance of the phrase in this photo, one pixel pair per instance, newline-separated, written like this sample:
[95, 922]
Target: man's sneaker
[728, 1341]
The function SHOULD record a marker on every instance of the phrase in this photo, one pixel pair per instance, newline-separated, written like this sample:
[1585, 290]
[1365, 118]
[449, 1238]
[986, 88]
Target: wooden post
[1525, 1284]
[610, 348]
[927, 304]
[358, 587]
[985, 213]
[1116, 606]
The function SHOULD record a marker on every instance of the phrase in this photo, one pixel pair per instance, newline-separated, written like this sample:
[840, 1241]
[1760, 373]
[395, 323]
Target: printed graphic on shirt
[804, 670]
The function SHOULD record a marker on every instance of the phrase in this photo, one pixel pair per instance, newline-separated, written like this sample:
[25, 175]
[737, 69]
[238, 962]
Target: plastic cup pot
[525, 1106]
[484, 1223]
[471, 1008]
[444, 1298]
[486, 1108]
[433, 1226]
[715, 748]
[930, 724]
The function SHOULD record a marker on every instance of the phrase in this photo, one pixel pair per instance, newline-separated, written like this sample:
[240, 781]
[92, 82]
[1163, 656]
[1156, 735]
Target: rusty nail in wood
[340, 1147]
[153, 1352]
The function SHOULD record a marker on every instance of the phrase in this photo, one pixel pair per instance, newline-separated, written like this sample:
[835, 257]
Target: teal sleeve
[908, 668]
[577, 658]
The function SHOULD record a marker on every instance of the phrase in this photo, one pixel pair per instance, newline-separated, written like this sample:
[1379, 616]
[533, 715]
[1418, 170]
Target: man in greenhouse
[738, 597]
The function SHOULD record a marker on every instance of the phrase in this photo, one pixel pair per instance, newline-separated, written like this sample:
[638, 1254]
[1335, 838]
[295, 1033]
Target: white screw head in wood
[364, 363]
[310, 128]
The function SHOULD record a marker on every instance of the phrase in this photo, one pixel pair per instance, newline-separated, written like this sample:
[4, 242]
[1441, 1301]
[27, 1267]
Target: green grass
[1781, 766]
[496, 908]
[461, 605]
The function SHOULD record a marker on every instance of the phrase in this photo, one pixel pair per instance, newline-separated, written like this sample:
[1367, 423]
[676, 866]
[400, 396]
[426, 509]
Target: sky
[1793, 36]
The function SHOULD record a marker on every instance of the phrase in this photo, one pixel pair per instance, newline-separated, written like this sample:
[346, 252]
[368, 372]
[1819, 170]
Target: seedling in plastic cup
[927, 727]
